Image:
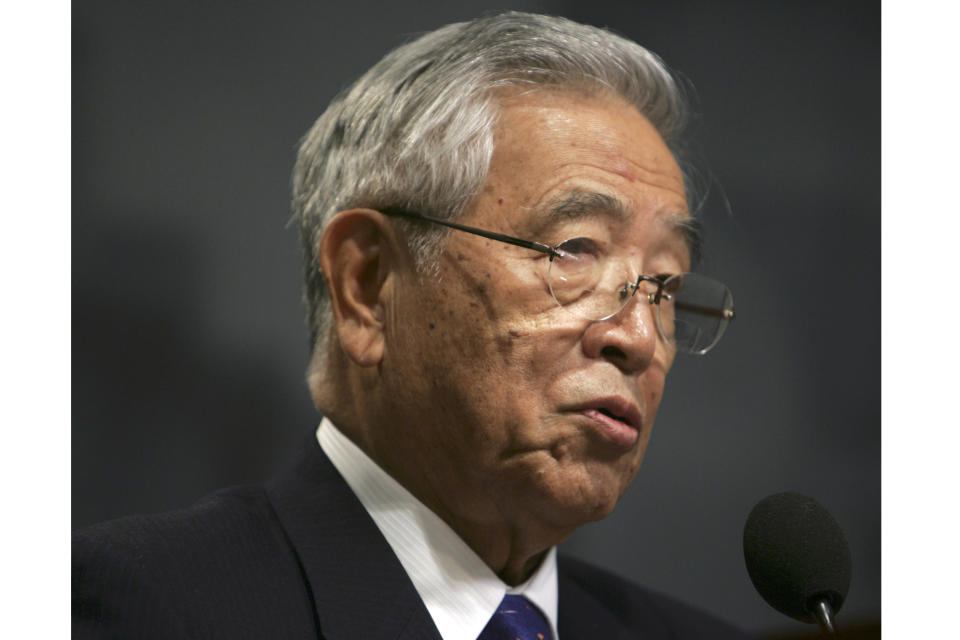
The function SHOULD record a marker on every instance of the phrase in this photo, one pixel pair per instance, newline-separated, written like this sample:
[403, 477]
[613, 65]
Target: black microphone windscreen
[796, 554]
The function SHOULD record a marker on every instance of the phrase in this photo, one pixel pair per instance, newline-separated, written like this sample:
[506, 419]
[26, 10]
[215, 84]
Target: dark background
[188, 337]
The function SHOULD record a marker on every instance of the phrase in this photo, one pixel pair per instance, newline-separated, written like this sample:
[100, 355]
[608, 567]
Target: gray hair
[416, 130]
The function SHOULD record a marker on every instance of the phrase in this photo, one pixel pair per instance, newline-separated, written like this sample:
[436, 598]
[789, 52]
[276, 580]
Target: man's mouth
[611, 414]
[617, 419]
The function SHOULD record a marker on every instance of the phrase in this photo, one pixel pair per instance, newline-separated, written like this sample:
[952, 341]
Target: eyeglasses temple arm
[726, 314]
[527, 244]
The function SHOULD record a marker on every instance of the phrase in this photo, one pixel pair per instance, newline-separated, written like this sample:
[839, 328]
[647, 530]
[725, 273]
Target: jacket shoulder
[220, 568]
[642, 611]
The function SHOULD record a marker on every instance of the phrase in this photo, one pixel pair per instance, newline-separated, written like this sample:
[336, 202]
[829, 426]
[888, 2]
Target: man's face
[506, 397]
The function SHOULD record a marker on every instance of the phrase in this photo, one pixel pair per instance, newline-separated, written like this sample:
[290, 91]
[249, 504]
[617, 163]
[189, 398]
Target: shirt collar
[460, 591]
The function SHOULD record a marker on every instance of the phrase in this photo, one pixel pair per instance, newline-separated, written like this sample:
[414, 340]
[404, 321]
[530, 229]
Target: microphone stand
[824, 614]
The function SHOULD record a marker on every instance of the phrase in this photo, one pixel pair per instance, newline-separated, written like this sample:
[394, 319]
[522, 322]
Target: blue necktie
[516, 619]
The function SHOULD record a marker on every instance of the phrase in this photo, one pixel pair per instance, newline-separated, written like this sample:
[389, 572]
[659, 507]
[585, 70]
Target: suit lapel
[582, 615]
[359, 587]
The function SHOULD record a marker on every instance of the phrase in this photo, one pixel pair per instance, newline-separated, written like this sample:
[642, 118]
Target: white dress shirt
[459, 590]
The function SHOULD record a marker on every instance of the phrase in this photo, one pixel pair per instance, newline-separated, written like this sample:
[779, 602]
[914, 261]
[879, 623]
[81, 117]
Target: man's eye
[580, 247]
[672, 282]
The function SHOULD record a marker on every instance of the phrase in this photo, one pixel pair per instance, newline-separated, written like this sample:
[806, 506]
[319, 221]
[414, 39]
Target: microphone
[797, 558]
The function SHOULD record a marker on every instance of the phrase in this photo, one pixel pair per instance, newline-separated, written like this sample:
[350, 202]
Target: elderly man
[497, 247]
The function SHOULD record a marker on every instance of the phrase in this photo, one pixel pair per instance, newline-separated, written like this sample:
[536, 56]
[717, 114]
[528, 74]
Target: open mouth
[614, 417]
[610, 414]
[624, 430]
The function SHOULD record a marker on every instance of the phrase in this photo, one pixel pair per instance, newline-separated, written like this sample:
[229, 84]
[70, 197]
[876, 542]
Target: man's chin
[582, 503]
[571, 491]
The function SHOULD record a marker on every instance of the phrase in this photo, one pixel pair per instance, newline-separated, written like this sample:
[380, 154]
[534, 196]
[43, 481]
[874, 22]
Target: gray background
[188, 338]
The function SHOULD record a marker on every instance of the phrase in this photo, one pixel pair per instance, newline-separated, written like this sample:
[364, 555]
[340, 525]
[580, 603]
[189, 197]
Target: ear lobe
[355, 254]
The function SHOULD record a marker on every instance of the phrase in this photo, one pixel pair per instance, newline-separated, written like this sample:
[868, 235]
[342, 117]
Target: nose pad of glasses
[629, 289]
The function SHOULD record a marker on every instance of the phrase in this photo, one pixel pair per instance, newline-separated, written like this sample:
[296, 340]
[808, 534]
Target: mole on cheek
[432, 326]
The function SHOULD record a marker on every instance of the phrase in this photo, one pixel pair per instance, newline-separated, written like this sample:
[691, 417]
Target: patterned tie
[516, 619]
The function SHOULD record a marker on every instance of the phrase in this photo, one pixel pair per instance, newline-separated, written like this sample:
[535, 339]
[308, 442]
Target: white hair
[416, 130]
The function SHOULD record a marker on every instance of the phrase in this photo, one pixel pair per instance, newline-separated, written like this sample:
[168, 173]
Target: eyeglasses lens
[692, 310]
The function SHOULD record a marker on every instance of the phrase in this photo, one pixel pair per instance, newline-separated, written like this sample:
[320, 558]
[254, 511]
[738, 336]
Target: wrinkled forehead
[580, 204]
[559, 157]
[657, 150]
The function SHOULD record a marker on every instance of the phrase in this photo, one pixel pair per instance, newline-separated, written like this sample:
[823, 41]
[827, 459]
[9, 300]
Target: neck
[512, 545]
[513, 558]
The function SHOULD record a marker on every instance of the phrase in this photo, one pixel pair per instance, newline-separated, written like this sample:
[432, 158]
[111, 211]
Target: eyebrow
[579, 204]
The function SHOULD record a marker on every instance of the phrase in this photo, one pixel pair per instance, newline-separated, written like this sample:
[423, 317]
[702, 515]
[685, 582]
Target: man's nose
[628, 339]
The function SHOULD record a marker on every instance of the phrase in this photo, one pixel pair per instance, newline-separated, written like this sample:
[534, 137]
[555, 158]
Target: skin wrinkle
[482, 408]
[582, 204]
[653, 169]
[480, 290]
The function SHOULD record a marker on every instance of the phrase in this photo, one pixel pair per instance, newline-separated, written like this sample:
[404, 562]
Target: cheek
[500, 337]
[506, 307]
[537, 346]
[652, 382]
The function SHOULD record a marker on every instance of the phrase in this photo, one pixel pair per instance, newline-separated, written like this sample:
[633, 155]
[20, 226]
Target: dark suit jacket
[301, 558]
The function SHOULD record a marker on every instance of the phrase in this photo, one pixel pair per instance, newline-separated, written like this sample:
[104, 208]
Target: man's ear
[357, 256]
